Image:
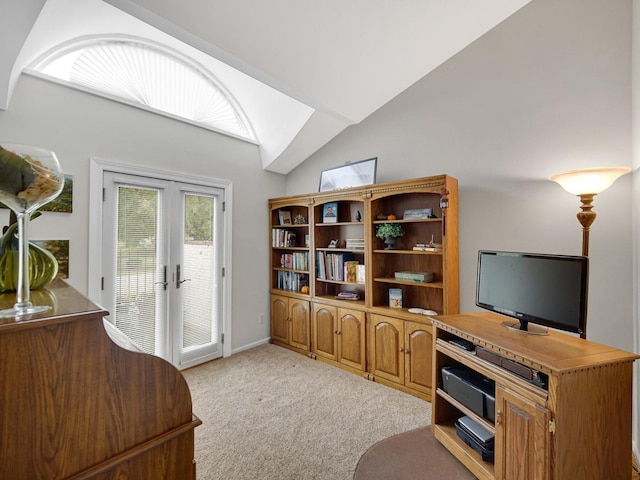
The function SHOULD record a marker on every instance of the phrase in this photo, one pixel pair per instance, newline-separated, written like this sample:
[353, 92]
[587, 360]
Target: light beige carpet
[269, 413]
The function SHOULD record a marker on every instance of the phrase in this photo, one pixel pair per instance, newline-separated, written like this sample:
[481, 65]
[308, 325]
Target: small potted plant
[389, 232]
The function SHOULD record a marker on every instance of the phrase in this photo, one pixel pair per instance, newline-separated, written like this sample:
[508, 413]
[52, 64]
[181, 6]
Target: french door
[161, 264]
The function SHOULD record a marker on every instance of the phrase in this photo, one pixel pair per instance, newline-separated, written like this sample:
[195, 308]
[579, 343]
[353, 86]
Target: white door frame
[96, 170]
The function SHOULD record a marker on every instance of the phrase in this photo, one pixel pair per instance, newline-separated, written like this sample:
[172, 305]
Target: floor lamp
[586, 184]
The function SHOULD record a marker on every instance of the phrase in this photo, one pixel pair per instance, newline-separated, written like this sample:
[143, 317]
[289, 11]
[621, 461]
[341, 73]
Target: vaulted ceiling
[344, 60]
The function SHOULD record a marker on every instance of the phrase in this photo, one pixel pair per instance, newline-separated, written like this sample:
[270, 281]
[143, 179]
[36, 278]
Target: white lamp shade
[589, 180]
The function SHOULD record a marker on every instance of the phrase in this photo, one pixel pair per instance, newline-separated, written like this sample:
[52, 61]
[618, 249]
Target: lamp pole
[586, 218]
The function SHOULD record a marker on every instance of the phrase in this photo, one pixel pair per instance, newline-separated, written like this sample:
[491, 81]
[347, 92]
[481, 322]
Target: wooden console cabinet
[338, 334]
[74, 404]
[578, 426]
[400, 354]
[290, 322]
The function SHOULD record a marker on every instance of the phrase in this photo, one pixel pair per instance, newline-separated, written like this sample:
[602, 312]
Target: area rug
[414, 455]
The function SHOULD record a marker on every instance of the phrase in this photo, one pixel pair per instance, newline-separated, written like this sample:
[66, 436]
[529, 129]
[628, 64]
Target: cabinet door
[325, 331]
[280, 318]
[299, 323]
[418, 356]
[351, 335]
[387, 348]
[522, 440]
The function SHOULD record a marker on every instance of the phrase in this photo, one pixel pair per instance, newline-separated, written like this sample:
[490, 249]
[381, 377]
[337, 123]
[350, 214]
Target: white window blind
[138, 269]
[150, 76]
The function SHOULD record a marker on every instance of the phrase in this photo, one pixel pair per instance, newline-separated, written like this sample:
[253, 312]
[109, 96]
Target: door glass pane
[137, 266]
[199, 326]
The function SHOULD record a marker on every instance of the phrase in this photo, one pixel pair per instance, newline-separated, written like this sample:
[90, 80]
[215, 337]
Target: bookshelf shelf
[281, 269]
[412, 284]
[338, 282]
[420, 220]
[339, 224]
[405, 252]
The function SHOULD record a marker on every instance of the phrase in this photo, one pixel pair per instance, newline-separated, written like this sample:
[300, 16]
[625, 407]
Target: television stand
[525, 327]
[576, 425]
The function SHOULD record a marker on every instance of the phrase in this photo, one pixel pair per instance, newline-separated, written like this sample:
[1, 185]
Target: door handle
[178, 281]
[164, 283]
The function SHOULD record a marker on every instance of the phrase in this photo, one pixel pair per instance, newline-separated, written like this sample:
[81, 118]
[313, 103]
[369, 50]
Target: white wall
[78, 126]
[546, 91]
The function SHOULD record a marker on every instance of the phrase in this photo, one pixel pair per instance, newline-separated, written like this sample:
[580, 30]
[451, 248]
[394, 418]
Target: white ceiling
[343, 59]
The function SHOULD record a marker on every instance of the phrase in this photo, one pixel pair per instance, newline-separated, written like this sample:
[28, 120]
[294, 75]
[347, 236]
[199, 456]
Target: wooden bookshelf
[366, 336]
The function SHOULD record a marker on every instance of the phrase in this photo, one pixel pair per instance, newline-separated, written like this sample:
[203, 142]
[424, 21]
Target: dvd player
[531, 375]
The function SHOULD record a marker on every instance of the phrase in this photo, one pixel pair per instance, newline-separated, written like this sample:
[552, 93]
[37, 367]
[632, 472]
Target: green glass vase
[43, 266]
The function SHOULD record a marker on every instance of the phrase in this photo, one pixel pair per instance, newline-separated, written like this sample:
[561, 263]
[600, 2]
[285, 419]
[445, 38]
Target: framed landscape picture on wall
[354, 174]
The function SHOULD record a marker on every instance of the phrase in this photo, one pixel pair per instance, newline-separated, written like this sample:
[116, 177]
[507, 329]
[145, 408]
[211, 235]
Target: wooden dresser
[77, 403]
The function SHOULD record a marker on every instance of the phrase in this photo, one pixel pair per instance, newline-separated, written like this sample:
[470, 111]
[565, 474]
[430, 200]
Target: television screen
[548, 290]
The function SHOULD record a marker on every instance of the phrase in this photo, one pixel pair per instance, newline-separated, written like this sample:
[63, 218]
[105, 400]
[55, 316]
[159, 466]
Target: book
[360, 274]
[350, 271]
[395, 298]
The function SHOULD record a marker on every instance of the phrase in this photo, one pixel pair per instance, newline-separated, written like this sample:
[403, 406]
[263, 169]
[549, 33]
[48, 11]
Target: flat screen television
[546, 290]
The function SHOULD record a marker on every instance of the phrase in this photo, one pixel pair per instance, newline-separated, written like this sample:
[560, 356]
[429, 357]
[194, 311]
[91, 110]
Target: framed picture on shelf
[330, 212]
[285, 217]
[355, 174]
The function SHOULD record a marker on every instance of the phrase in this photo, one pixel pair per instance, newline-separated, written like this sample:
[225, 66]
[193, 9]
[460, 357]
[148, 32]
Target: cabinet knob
[498, 417]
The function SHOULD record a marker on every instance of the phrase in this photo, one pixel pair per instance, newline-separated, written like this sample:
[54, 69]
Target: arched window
[149, 75]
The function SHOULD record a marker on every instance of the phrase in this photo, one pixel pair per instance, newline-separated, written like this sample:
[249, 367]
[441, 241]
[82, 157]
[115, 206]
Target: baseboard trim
[250, 346]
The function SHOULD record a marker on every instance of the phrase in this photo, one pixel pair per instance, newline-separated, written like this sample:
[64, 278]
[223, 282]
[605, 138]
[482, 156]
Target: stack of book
[428, 247]
[423, 277]
[355, 243]
[348, 296]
